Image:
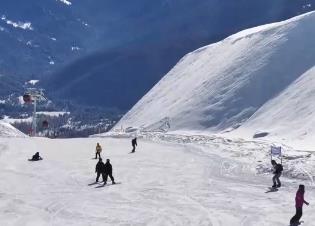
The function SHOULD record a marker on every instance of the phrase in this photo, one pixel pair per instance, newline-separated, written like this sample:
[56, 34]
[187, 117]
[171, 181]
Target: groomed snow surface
[163, 183]
[259, 80]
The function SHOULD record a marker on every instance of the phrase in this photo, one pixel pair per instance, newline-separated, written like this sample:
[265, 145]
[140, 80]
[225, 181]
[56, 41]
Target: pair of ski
[101, 184]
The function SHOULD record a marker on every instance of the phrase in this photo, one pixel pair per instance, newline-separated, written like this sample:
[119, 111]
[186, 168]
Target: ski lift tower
[34, 95]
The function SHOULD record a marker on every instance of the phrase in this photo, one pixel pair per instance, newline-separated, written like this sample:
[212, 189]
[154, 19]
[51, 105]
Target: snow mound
[217, 88]
[6, 130]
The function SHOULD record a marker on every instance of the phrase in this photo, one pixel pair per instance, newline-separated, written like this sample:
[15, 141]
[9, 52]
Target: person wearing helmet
[98, 151]
[108, 171]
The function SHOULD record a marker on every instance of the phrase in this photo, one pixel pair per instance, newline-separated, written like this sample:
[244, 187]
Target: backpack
[280, 168]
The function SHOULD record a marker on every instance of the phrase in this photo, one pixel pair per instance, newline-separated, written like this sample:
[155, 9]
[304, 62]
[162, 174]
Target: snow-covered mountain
[139, 41]
[6, 130]
[107, 54]
[261, 77]
[289, 116]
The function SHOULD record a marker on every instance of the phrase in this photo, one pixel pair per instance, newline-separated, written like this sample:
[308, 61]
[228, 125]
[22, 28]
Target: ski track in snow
[162, 184]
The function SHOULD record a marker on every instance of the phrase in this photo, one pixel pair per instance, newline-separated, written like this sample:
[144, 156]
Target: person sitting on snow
[277, 173]
[36, 157]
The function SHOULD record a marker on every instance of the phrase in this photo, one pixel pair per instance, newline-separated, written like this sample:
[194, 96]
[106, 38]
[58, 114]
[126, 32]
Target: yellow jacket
[98, 149]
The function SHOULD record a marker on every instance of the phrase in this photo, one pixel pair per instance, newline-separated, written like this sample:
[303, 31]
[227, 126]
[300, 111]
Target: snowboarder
[277, 173]
[99, 169]
[299, 201]
[108, 171]
[36, 157]
[134, 144]
[98, 151]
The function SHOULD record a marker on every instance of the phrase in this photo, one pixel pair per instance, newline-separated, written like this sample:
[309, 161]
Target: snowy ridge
[292, 111]
[6, 130]
[219, 87]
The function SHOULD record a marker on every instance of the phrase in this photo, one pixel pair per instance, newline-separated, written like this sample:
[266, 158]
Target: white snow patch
[53, 113]
[75, 48]
[65, 2]
[9, 120]
[19, 24]
[32, 82]
[6, 130]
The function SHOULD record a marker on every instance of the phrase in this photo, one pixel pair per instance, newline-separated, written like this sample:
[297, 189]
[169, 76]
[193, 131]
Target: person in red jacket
[299, 201]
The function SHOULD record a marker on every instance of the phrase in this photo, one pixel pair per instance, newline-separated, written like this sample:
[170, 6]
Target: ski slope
[254, 77]
[163, 183]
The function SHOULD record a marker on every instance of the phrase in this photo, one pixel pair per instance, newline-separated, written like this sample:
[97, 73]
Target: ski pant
[105, 176]
[276, 179]
[97, 154]
[296, 218]
[98, 176]
[133, 148]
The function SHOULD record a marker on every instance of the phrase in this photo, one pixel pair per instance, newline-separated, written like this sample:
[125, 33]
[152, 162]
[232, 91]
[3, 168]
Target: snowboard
[271, 189]
[35, 160]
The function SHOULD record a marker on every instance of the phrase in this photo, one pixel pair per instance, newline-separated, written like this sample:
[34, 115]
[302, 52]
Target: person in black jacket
[99, 169]
[277, 173]
[134, 144]
[36, 157]
[108, 171]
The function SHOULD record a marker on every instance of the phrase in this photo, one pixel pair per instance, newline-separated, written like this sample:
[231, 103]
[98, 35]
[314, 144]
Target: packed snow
[248, 78]
[163, 183]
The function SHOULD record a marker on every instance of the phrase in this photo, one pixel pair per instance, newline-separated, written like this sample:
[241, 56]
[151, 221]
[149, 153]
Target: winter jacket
[100, 167]
[108, 168]
[299, 199]
[134, 142]
[98, 149]
[278, 169]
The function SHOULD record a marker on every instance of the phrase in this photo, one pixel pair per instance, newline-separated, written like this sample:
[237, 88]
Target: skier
[36, 157]
[99, 169]
[299, 201]
[278, 168]
[108, 171]
[134, 144]
[98, 151]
